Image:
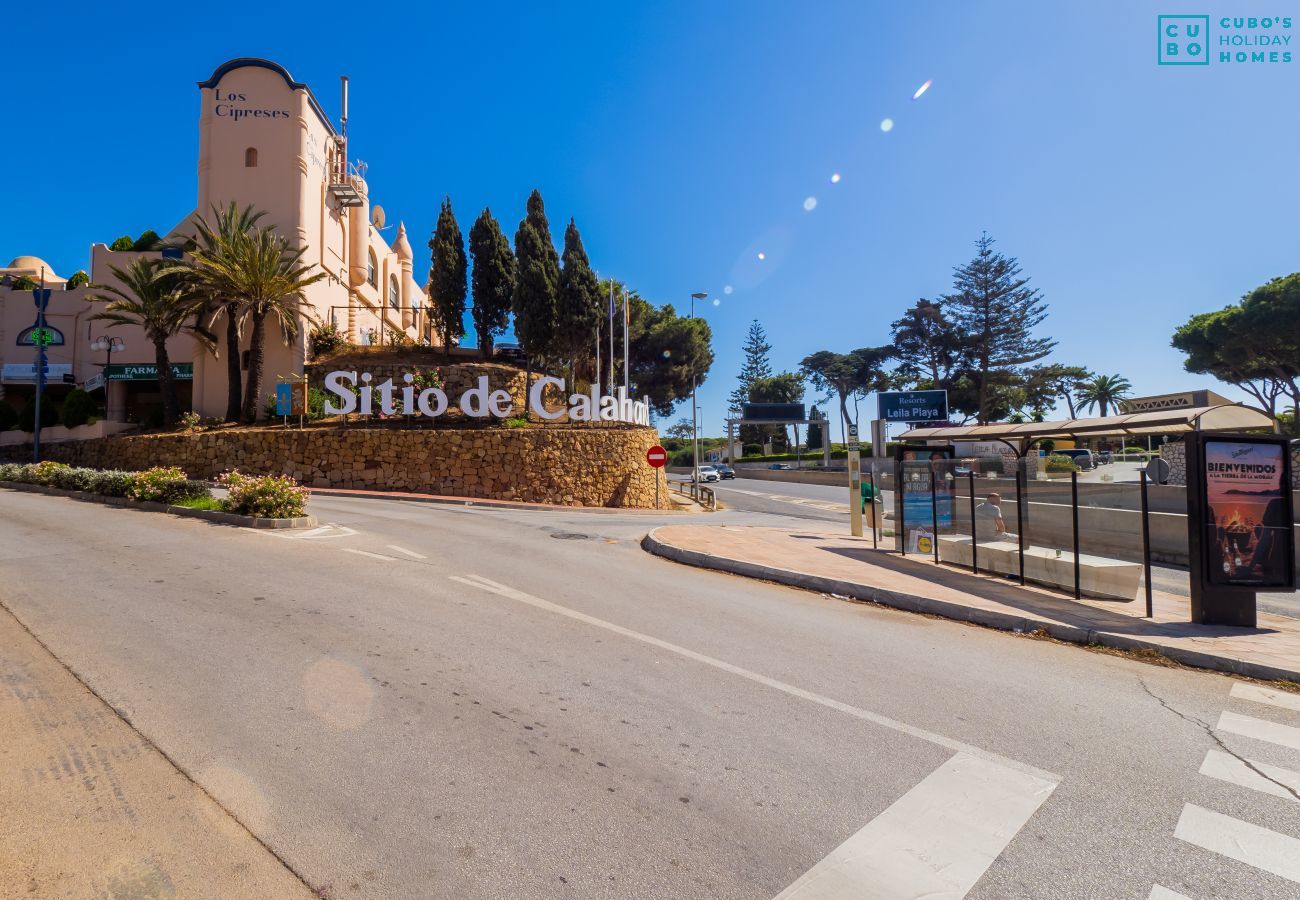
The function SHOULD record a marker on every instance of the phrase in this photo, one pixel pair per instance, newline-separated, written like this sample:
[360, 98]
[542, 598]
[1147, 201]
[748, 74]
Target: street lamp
[695, 421]
[108, 345]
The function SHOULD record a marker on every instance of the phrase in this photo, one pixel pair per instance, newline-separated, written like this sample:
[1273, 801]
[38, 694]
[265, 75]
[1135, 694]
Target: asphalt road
[432, 701]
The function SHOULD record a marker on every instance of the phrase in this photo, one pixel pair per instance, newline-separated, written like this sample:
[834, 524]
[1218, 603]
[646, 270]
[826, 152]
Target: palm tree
[214, 241]
[160, 304]
[1104, 391]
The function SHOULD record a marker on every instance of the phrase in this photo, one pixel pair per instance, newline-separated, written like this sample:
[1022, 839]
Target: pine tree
[996, 310]
[578, 306]
[493, 281]
[538, 284]
[447, 277]
[756, 365]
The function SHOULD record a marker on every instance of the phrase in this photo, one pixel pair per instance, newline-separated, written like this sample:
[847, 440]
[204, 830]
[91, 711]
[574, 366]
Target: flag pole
[626, 320]
[611, 336]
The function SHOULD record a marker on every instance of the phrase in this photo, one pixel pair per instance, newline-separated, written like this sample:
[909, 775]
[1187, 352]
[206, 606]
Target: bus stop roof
[1226, 417]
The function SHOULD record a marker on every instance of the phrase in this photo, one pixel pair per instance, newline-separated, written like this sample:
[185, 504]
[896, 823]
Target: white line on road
[1226, 767]
[478, 581]
[937, 840]
[410, 553]
[1265, 695]
[371, 555]
[1159, 892]
[329, 530]
[1242, 841]
[1260, 729]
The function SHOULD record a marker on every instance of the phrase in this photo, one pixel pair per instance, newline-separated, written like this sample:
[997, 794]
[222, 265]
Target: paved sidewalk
[849, 567]
[673, 504]
[91, 809]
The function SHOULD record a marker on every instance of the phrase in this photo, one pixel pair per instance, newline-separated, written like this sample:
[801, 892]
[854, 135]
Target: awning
[1230, 417]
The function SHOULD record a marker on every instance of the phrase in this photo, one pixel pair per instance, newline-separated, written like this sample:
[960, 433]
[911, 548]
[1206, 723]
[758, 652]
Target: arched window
[371, 274]
[250, 158]
[394, 300]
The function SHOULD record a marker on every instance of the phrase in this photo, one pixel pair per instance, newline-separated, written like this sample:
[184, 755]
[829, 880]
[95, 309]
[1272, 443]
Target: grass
[202, 503]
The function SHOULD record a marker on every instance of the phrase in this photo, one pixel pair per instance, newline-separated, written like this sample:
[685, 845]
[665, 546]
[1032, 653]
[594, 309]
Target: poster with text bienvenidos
[1245, 513]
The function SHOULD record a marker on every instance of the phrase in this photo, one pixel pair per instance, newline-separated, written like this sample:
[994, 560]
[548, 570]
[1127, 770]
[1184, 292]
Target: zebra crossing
[1226, 836]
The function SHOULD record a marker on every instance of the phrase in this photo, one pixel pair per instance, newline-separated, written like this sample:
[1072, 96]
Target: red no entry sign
[657, 456]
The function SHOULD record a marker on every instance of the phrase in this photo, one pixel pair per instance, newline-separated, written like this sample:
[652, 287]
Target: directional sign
[657, 456]
[41, 297]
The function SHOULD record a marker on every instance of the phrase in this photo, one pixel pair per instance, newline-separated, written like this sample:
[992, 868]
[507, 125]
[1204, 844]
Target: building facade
[264, 142]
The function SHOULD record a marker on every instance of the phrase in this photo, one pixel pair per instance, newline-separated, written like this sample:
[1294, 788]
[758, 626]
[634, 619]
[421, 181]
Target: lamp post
[108, 345]
[695, 421]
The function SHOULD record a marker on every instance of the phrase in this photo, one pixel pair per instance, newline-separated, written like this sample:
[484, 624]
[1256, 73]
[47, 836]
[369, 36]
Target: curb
[956, 611]
[406, 497]
[212, 515]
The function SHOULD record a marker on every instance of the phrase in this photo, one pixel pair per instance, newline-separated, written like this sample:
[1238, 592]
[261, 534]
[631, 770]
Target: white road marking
[937, 840]
[368, 553]
[1260, 729]
[1242, 841]
[1159, 892]
[410, 553]
[478, 581]
[1226, 767]
[1265, 695]
[329, 530]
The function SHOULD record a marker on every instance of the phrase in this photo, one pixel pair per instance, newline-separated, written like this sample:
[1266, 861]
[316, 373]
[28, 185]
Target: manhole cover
[569, 536]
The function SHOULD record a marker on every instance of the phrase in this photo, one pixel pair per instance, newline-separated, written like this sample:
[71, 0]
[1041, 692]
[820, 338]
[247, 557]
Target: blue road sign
[283, 399]
[41, 297]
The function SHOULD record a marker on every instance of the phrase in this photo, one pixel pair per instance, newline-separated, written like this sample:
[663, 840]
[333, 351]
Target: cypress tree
[537, 286]
[578, 305]
[493, 281]
[996, 310]
[756, 367]
[447, 277]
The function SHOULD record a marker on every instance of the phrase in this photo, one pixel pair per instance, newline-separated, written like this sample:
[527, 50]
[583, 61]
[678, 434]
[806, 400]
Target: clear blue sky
[685, 138]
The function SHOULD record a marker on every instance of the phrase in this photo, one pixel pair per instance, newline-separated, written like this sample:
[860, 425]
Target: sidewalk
[677, 504]
[91, 809]
[849, 567]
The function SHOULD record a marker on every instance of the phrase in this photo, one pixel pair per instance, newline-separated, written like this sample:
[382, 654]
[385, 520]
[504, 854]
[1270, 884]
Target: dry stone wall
[591, 465]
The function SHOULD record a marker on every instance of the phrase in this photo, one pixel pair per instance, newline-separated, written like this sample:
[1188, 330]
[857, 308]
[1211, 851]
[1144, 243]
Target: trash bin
[870, 500]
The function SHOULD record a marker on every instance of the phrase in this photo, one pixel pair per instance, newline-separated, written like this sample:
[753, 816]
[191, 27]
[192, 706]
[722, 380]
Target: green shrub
[1059, 462]
[24, 283]
[27, 416]
[78, 407]
[752, 450]
[165, 484]
[205, 502]
[325, 340]
[78, 279]
[125, 242]
[190, 420]
[517, 422]
[112, 483]
[73, 479]
[148, 240]
[265, 496]
[8, 416]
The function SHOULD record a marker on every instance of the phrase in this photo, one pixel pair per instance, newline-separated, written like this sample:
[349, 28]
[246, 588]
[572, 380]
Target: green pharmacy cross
[42, 337]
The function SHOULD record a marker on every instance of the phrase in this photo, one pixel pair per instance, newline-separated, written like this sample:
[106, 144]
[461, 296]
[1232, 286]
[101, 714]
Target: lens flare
[835, 178]
[810, 204]
[762, 255]
[668, 354]
[728, 289]
[922, 89]
[886, 125]
[717, 302]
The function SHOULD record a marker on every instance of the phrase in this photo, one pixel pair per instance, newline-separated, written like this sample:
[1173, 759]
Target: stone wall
[1175, 453]
[579, 465]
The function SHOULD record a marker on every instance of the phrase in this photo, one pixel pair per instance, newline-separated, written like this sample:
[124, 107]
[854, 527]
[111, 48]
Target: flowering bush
[165, 484]
[267, 496]
[190, 420]
[110, 483]
[44, 472]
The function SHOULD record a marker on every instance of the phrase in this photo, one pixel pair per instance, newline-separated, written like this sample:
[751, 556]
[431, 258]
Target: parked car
[725, 471]
[708, 473]
[1082, 458]
[779, 466]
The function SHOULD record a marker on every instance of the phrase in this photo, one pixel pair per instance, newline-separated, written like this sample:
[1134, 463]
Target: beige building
[264, 141]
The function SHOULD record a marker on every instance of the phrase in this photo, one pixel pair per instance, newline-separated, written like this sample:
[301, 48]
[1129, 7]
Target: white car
[708, 473]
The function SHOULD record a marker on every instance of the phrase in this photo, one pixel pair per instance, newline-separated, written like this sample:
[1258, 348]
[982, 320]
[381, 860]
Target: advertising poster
[1248, 540]
[918, 466]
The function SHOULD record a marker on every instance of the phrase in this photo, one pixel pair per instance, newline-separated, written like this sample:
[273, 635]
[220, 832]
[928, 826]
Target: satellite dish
[377, 216]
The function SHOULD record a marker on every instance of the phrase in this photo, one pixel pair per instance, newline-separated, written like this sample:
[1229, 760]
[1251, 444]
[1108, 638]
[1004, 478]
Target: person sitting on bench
[989, 524]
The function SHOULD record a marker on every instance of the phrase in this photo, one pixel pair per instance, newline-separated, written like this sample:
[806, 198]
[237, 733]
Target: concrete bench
[1111, 579]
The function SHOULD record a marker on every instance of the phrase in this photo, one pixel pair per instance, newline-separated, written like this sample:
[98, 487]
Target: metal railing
[697, 492]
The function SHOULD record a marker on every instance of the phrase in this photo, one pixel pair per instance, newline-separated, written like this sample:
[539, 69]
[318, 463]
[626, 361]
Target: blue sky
[685, 138]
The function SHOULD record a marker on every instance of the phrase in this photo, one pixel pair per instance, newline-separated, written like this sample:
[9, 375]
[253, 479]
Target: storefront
[130, 392]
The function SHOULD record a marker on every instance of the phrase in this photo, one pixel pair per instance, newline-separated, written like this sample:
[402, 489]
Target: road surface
[432, 701]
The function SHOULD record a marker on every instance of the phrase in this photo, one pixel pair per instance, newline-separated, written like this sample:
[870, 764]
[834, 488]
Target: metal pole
[934, 512]
[1021, 486]
[900, 508]
[974, 563]
[1074, 512]
[656, 488]
[40, 368]
[1146, 545]
[875, 522]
